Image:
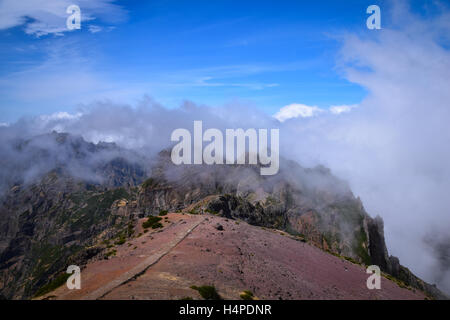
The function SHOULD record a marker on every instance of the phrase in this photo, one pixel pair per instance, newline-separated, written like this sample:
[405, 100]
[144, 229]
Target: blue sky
[266, 53]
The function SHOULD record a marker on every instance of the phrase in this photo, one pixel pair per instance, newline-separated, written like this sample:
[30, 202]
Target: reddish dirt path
[241, 257]
[132, 258]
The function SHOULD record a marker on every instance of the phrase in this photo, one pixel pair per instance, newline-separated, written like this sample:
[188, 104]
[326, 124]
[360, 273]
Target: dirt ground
[190, 251]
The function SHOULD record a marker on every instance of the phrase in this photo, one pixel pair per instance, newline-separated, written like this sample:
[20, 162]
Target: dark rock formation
[377, 246]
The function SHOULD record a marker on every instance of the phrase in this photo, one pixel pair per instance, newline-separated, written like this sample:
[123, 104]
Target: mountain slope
[237, 258]
[62, 217]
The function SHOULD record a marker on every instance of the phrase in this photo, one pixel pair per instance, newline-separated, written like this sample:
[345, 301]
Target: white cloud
[94, 28]
[341, 109]
[42, 17]
[296, 110]
[57, 121]
[61, 116]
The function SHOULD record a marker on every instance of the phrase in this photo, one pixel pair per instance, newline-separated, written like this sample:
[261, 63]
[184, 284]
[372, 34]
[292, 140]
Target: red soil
[191, 251]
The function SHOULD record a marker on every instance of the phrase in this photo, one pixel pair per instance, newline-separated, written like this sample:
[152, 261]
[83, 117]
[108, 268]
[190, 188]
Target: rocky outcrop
[377, 246]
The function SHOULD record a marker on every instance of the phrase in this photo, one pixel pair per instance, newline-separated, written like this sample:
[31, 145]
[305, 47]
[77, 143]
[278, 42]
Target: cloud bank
[43, 17]
[296, 110]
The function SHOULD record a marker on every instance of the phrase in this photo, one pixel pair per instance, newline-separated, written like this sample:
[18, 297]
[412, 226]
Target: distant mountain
[78, 199]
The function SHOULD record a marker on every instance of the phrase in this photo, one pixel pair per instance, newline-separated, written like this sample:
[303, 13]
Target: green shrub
[400, 283]
[350, 259]
[120, 241]
[151, 220]
[211, 212]
[163, 212]
[56, 283]
[130, 229]
[149, 183]
[111, 253]
[207, 292]
[157, 225]
[247, 295]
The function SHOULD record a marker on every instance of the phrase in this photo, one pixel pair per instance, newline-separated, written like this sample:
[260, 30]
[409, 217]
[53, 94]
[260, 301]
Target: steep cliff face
[377, 246]
[61, 219]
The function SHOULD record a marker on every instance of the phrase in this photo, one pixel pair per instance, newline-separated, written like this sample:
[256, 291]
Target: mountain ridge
[61, 218]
